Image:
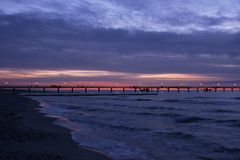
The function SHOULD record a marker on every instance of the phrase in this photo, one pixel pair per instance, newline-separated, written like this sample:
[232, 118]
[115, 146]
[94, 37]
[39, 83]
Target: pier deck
[143, 89]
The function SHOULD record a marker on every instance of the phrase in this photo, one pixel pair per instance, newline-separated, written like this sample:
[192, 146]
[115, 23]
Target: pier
[136, 89]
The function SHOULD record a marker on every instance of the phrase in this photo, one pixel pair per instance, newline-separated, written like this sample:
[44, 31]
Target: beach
[26, 134]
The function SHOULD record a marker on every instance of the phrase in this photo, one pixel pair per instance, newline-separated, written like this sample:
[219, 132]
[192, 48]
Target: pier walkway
[143, 89]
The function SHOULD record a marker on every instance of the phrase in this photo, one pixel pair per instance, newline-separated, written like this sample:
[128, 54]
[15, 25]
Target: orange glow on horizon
[55, 73]
[193, 77]
[11, 74]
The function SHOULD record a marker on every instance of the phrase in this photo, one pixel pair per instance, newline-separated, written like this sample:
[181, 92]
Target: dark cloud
[36, 43]
[32, 40]
[177, 16]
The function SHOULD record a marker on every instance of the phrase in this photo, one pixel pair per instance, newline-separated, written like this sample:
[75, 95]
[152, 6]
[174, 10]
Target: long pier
[86, 88]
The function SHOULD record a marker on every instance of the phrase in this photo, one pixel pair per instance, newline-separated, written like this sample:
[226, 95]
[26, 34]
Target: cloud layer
[178, 16]
[151, 39]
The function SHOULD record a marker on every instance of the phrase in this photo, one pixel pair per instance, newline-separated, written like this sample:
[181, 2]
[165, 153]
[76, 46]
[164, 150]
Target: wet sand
[26, 134]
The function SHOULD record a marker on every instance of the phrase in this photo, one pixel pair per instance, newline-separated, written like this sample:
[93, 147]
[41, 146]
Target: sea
[168, 126]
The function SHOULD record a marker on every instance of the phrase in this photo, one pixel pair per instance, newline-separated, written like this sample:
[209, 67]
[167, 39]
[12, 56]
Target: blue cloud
[137, 36]
[181, 16]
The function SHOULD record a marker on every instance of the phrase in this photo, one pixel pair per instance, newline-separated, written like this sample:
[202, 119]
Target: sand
[26, 134]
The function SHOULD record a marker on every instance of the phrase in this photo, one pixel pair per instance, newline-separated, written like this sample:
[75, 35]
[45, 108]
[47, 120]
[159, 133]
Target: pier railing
[86, 88]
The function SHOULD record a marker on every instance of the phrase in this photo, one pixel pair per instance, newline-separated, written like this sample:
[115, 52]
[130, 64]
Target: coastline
[27, 134]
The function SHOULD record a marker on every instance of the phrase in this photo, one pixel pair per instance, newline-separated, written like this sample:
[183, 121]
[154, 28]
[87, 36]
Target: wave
[231, 122]
[105, 110]
[162, 108]
[171, 115]
[121, 127]
[73, 107]
[225, 111]
[109, 124]
[181, 135]
[186, 101]
[192, 101]
[199, 97]
[120, 105]
[146, 113]
[228, 121]
[95, 109]
[215, 147]
[151, 107]
[222, 149]
[191, 119]
[175, 135]
[143, 99]
[202, 97]
[170, 100]
[218, 148]
[205, 158]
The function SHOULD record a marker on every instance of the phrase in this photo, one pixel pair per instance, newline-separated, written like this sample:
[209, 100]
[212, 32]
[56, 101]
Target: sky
[120, 41]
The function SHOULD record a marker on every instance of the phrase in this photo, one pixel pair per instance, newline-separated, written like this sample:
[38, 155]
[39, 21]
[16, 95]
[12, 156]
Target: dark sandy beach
[26, 134]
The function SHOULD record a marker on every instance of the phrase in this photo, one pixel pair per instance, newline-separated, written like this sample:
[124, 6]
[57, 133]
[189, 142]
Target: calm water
[169, 126]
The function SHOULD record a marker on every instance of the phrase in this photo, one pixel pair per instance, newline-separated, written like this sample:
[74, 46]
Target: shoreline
[27, 134]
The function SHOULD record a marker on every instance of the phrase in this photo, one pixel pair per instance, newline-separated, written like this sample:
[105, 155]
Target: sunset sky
[119, 41]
